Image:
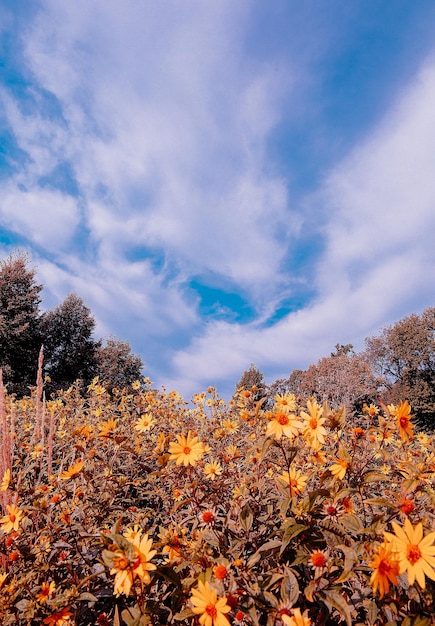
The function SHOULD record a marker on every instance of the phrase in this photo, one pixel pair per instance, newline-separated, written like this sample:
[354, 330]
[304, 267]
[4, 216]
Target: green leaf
[289, 588]
[246, 518]
[337, 601]
[373, 477]
[87, 597]
[351, 522]
[290, 533]
[350, 559]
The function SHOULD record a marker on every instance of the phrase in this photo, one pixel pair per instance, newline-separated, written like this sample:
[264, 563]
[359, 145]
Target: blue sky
[223, 183]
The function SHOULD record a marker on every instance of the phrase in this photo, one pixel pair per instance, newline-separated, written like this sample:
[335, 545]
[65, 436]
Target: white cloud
[45, 217]
[165, 116]
[379, 260]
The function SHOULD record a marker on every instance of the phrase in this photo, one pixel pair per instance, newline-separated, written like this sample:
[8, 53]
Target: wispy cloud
[146, 161]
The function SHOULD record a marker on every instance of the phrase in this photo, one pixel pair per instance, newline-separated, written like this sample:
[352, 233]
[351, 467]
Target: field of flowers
[139, 508]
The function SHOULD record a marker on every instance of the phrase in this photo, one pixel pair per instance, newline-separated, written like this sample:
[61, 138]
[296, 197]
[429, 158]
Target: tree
[20, 336]
[253, 380]
[117, 366]
[344, 378]
[403, 356]
[70, 349]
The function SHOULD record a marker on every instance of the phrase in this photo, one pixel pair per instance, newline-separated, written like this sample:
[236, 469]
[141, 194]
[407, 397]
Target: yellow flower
[12, 521]
[46, 590]
[416, 553]
[295, 480]
[338, 469]
[285, 402]
[297, 619]
[130, 563]
[386, 569]
[371, 410]
[130, 533]
[106, 428]
[230, 426]
[188, 450]
[72, 471]
[283, 424]
[144, 423]
[206, 604]
[135, 385]
[314, 431]
[213, 469]
[5, 480]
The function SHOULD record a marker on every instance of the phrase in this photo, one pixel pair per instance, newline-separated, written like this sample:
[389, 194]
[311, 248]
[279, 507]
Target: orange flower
[220, 572]
[386, 569]
[59, 618]
[403, 417]
[406, 506]
[46, 590]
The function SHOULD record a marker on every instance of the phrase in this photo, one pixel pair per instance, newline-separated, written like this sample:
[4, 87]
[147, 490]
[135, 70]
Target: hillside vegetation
[137, 508]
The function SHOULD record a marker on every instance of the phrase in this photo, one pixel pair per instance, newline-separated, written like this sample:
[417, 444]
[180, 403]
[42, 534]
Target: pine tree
[20, 332]
[70, 349]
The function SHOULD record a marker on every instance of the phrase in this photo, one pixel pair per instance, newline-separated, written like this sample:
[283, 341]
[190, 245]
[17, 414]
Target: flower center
[210, 609]
[207, 517]
[384, 567]
[414, 554]
[313, 423]
[12, 517]
[404, 421]
[187, 450]
[282, 419]
[318, 559]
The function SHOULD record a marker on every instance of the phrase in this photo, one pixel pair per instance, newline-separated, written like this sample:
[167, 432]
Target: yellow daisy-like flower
[188, 450]
[285, 402]
[339, 469]
[130, 533]
[314, 431]
[135, 385]
[213, 469]
[297, 619]
[5, 480]
[127, 565]
[72, 471]
[230, 426]
[12, 520]
[295, 480]
[107, 428]
[403, 416]
[283, 424]
[416, 553]
[211, 609]
[144, 423]
[386, 569]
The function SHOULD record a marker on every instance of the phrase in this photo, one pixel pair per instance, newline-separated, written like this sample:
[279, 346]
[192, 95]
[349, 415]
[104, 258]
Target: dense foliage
[67, 333]
[138, 508]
